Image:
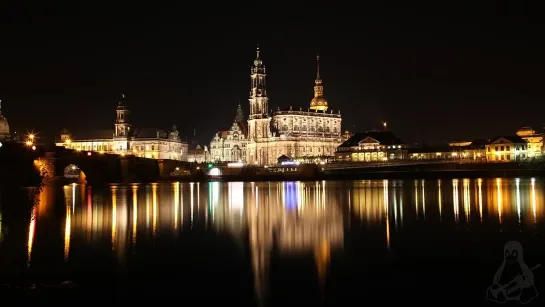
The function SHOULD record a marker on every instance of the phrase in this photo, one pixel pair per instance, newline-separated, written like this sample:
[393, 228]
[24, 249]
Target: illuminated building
[534, 139]
[124, 140]
[372, 146]
[295, 133]
[198, 154]
[507, 149]
[230, 145]
[4, 126]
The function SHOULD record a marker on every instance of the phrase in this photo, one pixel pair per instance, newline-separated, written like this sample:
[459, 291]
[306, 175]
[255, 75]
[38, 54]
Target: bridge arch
[74, 172]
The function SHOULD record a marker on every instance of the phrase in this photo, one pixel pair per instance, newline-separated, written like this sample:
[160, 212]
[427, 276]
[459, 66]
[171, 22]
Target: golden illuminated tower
[318, 102]
[259, 119]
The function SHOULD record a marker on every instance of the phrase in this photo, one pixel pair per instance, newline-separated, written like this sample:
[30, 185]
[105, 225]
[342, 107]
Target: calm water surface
[280, 243]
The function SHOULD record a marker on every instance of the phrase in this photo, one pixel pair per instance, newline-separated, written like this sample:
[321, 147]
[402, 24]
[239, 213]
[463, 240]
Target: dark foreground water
[278, 243]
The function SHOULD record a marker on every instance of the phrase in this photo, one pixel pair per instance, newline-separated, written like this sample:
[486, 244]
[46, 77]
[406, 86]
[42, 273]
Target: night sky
[433, 73]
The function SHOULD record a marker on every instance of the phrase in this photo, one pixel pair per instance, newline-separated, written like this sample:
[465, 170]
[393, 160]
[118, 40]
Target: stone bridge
[98, 168]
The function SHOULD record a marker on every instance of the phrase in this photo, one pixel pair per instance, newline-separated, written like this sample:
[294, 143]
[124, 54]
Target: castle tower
[318, 102]
[259, 119]
[240, 115]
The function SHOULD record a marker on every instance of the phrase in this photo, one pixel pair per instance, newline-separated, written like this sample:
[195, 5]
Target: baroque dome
[318, 103]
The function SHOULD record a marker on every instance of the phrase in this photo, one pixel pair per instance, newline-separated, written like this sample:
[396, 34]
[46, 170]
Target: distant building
[4, 126]
[124, 140]
[373, 146]
[534, 140]
[230, 145]
[198, 154]
[507, 149]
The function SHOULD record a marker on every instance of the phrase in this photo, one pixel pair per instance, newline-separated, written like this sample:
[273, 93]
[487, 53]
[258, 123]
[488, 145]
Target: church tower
[318, 102]
[123, 127]
[259, 119]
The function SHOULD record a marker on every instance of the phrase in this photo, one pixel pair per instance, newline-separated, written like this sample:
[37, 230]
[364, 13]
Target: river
[278, 243]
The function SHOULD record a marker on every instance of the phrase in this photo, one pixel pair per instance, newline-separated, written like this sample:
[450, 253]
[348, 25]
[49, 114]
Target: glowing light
[154, 208]
[33, 147]
[89, 153]
[235, 164]
[68, 141]
[517, 182]
[500, 200]
[456, 201]
[134, 212]
[290, 163]
[215, 172]
[114, 217]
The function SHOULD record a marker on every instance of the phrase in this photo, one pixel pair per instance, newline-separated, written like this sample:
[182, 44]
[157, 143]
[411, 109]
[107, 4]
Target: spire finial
[257, 52]
[318, 67]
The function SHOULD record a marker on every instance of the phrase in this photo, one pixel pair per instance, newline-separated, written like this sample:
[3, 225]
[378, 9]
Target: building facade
[372, 146]
[534, 140]
[507, 149]
[124, 140]
[298, 134]
[5, 134]
[230, 145]
[198, 154]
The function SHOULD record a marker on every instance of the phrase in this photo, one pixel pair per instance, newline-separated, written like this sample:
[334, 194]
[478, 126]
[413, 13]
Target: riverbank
[422, 171]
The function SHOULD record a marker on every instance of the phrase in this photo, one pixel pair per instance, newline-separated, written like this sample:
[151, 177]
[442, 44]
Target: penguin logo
[514, 280]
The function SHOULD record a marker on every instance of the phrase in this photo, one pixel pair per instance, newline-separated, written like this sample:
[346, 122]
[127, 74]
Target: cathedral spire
[318, 80]
[318, 102]
[257, 61]
[240, 116]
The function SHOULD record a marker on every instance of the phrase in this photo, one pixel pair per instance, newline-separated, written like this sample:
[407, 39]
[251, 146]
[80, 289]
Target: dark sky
[433, 73]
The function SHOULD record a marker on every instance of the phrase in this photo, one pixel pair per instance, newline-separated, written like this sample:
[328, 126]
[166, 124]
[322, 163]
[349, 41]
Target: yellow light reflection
[456, 201]
[176, 203]
[423, 198]
[517, 183]
[154, 204]
[534, 202]
[467, 199]
[439, 199]
[480, 185]
[134, 212]
[416, 198]
[395, 206]
[500, 200]
[67, 230]
[31, 230]
[114, 216]
[387, 212]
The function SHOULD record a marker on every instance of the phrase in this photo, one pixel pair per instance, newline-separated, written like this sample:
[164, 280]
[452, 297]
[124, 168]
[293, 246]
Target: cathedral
[313, 133]
[124, 140]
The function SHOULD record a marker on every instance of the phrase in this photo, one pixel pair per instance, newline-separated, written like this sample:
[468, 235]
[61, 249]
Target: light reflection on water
[299, 218]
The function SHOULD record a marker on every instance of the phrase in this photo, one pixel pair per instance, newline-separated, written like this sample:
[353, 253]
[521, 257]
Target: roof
[510, 138]
[149, 133]
[383, 137]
